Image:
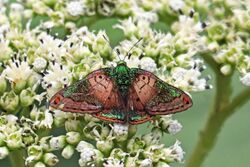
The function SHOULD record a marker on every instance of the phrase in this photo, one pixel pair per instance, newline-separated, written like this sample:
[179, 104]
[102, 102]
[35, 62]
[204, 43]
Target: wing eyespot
[186, 100]
[57, 100]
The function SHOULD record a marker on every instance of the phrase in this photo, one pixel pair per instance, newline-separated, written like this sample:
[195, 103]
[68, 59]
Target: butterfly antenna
[117, 50]
[128, 53]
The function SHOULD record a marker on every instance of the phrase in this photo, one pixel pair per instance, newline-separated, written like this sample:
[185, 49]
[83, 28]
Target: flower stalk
[17, 158]
[218, 115]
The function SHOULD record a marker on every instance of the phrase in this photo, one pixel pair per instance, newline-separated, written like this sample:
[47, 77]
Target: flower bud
[39, 164]
[50, 2]
[59, 119]
[90, 155]
[118, 153]
[2, 138]
[57, 143]
[73, 138]
[4, 152]
[217, 31]
[50, 159]
[39, 64]
[44, 142]
[5, 50]
[94, 130]
[19, 85]
[14, 140]
[28, 13]
[132, 129]
[226, 69]
[72, 125]
[68, 152]
[3, 84]
[29, 139]
[154, 152]
[27, 97]
[9, 101]
[135, 144]
[35, 151]
[153, 137]
[162, 164]
[105, 146]
[80, 53]
[101, 46]
[33, 79]
[131, 161]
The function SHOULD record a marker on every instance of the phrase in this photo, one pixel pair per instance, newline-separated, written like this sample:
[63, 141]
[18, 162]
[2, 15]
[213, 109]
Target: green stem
[17, 158]
[221, 111]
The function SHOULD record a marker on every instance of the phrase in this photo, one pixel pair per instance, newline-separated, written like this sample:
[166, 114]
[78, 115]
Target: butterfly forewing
[93, 94]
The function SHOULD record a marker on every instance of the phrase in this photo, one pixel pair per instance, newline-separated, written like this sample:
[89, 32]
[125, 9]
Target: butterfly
[122, 95]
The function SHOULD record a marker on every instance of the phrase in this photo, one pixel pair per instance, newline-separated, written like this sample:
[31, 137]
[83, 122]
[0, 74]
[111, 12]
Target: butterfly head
[121, 63]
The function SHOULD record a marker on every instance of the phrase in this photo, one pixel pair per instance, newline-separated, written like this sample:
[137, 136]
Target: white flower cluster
[36, 62]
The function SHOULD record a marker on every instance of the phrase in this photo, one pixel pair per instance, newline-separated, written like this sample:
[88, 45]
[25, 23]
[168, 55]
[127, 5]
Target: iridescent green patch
[115, 114]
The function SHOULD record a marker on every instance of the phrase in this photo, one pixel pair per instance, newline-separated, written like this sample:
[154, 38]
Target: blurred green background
[233, 145]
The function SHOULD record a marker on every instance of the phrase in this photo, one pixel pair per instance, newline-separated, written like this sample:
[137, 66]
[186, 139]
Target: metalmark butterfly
[121, 94]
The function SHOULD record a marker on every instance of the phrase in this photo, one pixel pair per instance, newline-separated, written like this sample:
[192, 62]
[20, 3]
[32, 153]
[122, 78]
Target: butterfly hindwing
[95, 93]
[152, 95]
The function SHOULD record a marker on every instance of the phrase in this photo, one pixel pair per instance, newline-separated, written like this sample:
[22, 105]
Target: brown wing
[150, 94]
[141, 91]
[93, 94]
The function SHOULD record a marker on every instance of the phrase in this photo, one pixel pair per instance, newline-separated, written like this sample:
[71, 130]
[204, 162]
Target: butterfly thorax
[123, 77]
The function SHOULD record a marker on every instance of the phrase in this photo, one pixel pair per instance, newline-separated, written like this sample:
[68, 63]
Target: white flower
[87, 154]
[58, 142]
[42, 118]
[174, 127]
[189, 79]
[245, 79]
[11, 119]
[174, 153]
[17, 71]
[120, 129]
[16, 7]
[187, 34]
[50, 48]
[83, 145]
[139, 14]
[75, 8]
[148, 64]
[57, 77]
[176, 4]
[131, 27]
